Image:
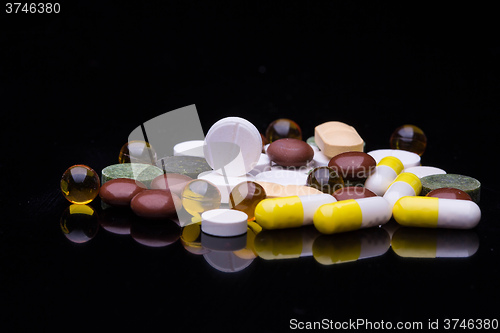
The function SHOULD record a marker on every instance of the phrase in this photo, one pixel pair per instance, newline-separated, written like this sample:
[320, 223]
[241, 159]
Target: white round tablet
[422, 171]
[233, 146]
[264, 164]
[408, 158]
[189, 148]
[224, 222]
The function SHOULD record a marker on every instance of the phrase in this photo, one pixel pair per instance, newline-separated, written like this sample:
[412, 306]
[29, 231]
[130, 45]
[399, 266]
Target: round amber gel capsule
[410, 138]
[325, 179]
[245, 196]
[80, 184]
[137, 151]
[283, 128]
[199, 196]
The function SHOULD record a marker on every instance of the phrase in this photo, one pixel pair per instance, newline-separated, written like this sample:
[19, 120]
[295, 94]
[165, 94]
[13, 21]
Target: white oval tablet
[224, 222]
[189, 148]
[422, 171]
[233, 146]
[408, 158]
[283, 177]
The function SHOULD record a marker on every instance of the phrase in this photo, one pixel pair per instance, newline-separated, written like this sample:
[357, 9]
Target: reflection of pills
[227, 262]
[351, 246]
[434, 243]
[224, 222]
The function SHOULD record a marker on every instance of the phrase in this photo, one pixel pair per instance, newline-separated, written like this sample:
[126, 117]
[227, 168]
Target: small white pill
[422, 171]
[283, 177]
[224, 222]
[189, 148]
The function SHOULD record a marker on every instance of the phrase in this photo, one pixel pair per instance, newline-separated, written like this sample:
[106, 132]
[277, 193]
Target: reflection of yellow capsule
[434, 243]
[285, 243]
[351, 246]
[289, 212]
[431, 212]
[353, 214]
[249, 251]
[191, 239]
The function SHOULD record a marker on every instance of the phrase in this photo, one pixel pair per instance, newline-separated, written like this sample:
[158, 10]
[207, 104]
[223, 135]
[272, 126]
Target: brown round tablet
[175, 182]
[449, 193]
[353, 192]
[290, 152]
[155, 204]
[120, 191]
[353, 165]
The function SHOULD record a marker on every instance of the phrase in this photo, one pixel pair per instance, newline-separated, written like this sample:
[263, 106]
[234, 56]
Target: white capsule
[406, 184]
[384, 174]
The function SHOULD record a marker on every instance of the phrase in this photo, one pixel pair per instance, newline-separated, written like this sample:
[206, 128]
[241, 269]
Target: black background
[74, 84]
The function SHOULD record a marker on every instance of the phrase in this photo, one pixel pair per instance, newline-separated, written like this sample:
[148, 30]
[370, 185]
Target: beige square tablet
[335, 137]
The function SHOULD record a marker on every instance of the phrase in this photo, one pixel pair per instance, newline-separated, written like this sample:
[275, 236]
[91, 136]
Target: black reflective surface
[75, 85]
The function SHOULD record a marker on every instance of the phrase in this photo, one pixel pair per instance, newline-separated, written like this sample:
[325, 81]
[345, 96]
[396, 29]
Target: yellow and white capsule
[406, 184]
[353, 214]
[386, 171]
[289, 212]
[431, 212]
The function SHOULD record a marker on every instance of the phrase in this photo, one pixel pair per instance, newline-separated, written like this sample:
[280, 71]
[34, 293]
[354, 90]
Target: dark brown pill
[449, 193]
[290, 152]
[119, 191]
[155, 204]
[353, 165]
[353, 192]
[174, 182]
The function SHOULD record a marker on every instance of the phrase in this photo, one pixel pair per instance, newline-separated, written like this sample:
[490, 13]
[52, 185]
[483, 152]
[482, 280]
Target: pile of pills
[234, 178]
